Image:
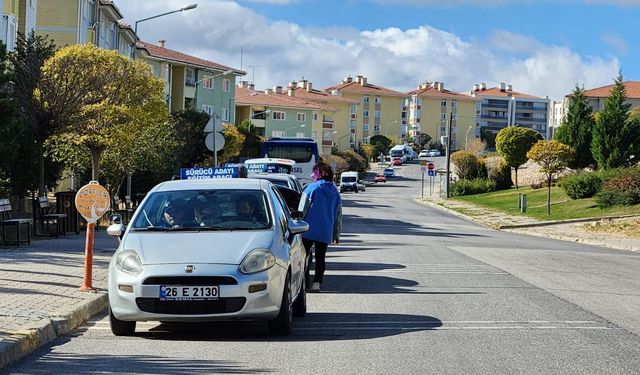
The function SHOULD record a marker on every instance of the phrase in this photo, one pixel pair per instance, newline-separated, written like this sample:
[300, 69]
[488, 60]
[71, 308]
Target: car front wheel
[283, 323]
[121, 327]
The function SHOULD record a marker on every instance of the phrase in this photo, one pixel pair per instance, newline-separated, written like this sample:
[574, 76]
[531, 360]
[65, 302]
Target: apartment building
[430, 107]
[192, 82]
[99, 22]
[379, 111]
[500, 107]
[557, 114]
[18, 16]
[330, 126]
[275, 114]
[599, 95]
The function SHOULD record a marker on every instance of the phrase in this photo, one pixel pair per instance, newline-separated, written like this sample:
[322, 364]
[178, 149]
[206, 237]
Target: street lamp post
[341, 138]
[188, 7]
[293, 127]
[466, 136]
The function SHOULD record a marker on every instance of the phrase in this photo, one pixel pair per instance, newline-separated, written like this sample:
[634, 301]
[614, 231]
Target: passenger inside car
[246, 205]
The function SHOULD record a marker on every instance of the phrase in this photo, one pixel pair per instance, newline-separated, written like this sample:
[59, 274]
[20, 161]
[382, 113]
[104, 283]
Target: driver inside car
[246, 205]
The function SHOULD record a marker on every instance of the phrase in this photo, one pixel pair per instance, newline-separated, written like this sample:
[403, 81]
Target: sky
[541, 47]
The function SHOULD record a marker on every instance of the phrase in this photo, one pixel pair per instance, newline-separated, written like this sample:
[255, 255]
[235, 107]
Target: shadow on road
[366, 225]
[368, 284]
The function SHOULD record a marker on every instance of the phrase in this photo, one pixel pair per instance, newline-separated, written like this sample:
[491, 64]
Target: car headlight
[128, 261]
[257, 260]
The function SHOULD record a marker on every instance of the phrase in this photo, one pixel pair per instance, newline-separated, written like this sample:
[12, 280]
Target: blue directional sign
[206, 173]
[431, 172]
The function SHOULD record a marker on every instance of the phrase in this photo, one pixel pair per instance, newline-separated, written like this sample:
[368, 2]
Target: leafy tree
[421, 141]
[381, 144]
[252, 140]
[95, 95]
[188, 126]
[8, 124]
[476, 146]
[436, 145]
[355, 161]
[512, 143]
[233, 142]
[340, 163]
[576, 129]
[466, 165]
[27, 60]
[616, 135]
[488, 136]
[552, 157]
[368, 151]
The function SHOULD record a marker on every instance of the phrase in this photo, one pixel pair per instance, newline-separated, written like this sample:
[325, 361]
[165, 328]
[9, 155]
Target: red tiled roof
[368, 88]
[432, 92]
[495, 91]
[165, 53]
[632, 88]
[260, 98]
[317, 95]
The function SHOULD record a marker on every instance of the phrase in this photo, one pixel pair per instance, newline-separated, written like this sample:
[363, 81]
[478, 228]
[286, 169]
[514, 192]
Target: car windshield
[209, 209]
[348, 179]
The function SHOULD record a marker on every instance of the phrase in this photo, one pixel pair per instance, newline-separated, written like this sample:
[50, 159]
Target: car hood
[196, 247]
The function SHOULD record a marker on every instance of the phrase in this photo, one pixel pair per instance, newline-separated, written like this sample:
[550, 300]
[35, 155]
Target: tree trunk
[95, 165]
[41, 172]
[549, 195]
[516, 170]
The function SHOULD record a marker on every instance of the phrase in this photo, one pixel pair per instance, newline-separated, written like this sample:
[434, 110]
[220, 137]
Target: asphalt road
[410, 290]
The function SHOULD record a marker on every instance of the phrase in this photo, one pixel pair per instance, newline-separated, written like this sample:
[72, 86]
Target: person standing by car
[321, 208]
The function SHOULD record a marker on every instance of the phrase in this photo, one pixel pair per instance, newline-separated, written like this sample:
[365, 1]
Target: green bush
[582, 185]
[622, 188]
[476, 186]
[466, 164]
[498, 171]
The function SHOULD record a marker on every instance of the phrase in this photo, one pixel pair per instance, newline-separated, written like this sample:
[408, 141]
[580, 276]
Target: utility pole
[448, 151]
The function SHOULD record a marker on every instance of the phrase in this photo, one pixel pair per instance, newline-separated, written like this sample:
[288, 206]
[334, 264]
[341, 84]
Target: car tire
[121, 327]
[300, 304]
[283, 323]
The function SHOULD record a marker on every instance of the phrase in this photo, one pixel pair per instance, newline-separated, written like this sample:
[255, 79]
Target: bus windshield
[304, 151]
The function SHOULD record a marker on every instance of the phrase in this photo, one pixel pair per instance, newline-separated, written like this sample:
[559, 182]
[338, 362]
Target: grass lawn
[562, 207]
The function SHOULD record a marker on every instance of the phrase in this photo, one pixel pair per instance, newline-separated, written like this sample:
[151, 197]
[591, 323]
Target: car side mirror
[298, 226]
[297, 215]
[116, 230]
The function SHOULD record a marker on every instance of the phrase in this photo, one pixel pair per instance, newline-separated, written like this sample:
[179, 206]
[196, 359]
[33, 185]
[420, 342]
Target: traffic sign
[423, 168]
[431, 166]
[92, 201]
[423, 162]
[219, 141]
[207, 173]
[431, 172]
[214, 122]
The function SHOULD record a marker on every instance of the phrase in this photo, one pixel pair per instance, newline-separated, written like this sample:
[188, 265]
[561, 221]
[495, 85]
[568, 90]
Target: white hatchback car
[205, 250]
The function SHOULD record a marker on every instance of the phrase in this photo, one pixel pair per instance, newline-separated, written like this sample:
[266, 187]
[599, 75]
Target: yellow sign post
[92, 201]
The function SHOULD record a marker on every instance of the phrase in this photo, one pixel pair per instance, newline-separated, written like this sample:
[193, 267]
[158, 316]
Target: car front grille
[219, 306]
[190, 280]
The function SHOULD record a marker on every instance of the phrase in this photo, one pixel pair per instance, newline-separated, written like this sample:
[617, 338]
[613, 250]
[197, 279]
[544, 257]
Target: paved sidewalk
[39, 291]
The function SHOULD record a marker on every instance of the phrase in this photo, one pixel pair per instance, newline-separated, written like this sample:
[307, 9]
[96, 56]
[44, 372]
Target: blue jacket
[322, 209]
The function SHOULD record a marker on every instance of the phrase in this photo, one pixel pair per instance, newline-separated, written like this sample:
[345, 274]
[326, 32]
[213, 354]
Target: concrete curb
[24, 342]
[570, 221]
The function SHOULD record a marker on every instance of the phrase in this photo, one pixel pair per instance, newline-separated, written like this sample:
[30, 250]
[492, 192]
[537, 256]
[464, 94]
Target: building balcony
[327, 125]
[327, 142]
[259, 123]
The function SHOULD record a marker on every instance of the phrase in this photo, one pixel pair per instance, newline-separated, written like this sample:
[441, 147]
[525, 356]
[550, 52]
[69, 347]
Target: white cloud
[491, 3]
[392, 57]
[617, 42]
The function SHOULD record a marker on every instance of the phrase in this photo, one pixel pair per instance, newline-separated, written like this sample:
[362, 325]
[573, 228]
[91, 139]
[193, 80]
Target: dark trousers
[320, 264]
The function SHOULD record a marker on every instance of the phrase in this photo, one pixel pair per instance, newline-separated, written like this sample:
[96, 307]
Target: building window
[302, 117]
[377, 100]
[300, 135]
[353, 109]
[365, 99]
[315, 116]
[453, 117]
[226, 85]
[443, 103]
[208, 109]
[190, 77]
[352, 124]
[365, 113]
[225, 114]
[277, 133]
[377, 114]
[376, 128]
[207, 83]
[278, 115]
[365, 127]
[453, 104]
[443, 116]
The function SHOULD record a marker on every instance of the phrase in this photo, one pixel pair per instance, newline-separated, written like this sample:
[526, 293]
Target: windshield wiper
[152, 228]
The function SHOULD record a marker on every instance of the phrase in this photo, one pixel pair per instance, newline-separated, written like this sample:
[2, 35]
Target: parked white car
[423, 154]
[205, 250]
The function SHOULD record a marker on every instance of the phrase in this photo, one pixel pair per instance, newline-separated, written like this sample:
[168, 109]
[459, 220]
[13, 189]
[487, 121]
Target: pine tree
[577, 128]
[615, 135]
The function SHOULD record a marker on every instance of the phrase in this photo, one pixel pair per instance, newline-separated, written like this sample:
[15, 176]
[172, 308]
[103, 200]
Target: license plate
[189, 293]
